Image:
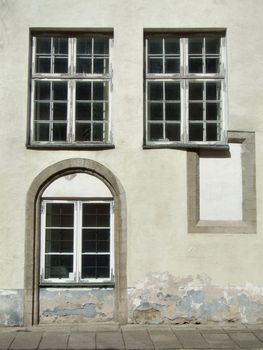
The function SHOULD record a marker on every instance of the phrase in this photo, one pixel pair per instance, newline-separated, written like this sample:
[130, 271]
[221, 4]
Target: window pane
[41, 132]
[212, 65]
[172, 65]
[100, 91]
[60, 65]
[213, 111]
[61, 46]
[43, 64]
[42, 90]
[42, 110]
[196, 91]
[58, 266]
[195, 111]
[96, 215]
[94, 240]
[83, 65]
[195, 65]
[84, 46]
[60, 91]
[83, 91]
[172, 91]
[59, 132]
[83, 132]
[155, 91]
[195, 132]
[155, 65]
[156, 132]
[212, 132]
[155, 46]
[59, 241]
[101, 65]
[43, 45]
[172, 132]
[172, 111]
[101, 46]
[83, 111]
[59, 111]
[172, 46]
[97, 132]
[195, 45]
[213, 90]
[212, 46]
[99, 111]
[95, 266]
[59, 214]
[155, 111]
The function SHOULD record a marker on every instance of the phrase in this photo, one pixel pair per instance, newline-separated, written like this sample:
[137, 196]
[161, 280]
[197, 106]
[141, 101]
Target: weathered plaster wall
[76, 305]
[11, 307]
[164, 298]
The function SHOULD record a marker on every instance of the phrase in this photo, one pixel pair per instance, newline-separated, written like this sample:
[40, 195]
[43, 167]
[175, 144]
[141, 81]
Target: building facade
[133, 162]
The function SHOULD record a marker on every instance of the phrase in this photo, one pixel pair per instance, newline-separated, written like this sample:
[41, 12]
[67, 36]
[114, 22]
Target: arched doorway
[33, 233]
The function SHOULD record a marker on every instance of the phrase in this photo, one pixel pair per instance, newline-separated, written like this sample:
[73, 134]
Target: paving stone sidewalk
[131, 337]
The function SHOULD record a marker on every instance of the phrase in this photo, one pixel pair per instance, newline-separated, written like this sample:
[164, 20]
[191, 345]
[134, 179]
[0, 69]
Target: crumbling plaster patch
[76, 305]
[163, 298]
[11, 307]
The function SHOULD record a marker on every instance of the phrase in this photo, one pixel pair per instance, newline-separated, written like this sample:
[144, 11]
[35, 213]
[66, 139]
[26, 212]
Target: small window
[76, 241]
[70, 89]
[185, 89]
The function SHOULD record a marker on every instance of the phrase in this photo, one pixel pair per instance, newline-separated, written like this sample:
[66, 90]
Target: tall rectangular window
[76, 241]
[185, 89]
[71, 79]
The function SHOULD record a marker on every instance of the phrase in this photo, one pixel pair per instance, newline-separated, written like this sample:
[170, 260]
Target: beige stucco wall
[154, 180]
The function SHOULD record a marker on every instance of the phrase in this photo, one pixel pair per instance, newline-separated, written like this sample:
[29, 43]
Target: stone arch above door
[32, 234]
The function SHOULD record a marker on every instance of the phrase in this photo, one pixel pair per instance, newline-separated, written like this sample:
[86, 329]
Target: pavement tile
[54, 341]
[6, 339]
[109, 340]
[26, 340]
[164, 339]
[258, 334]
[81, 341]
[191, 339]
[246, 340]
[256, 326]
[219, 341]
[137, 339]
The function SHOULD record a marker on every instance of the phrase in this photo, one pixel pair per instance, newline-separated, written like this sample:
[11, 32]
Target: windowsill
[76, 285]
[61, 147]
[186, 146]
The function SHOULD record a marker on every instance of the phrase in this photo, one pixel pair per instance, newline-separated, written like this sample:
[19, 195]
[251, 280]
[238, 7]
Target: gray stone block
[164, 339]
[54, 341]
[246, 339]
[6, 339]
[191, 339]
[81, 341]
[220, 341]
[26, 340]
[109, 340]
[137, 339]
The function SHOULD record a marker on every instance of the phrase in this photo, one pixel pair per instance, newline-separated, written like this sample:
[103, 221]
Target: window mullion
[51, 112]
[204, 111]
[77, 241]
[164, 131]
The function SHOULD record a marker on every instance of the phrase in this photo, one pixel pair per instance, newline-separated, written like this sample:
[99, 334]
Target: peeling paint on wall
[11, 307]
[163, 298]
[59, 305]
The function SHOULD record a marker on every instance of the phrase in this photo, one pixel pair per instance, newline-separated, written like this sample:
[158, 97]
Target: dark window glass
[172, 91]
[59, 214]
[41, 132]
[211, 132]
[43, 45]
[60, 91]
[83, 65]
[83, 111]
[172, 111]
[155, 65]
[59, 111]
[155, 111]
[58, 266]
[84, 46]
[43, 64]
[172, 132]
[101, 46]
[97, 132]
[212, 46]
[172, 46]
[195, 111]
[42, 111]
[96, 215]
[213, 111]
[155, 46]
[83, 132]
[99, 91]
[61, 46]
[98, 111]
[95, 240]
[172, 65]
[59, 240]
[212, 65]
[101, 65]
[195, 65]
[196, 91]
[195, 132]
[95, 266]
[155, 91]
[156, 132]
[213, 90]
[59, 132]
[60, 65]
[195, 45]
[42, 90]
[83, 91]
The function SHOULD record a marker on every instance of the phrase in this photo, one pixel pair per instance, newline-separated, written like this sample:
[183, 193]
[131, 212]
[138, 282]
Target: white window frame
[77, 250]
[184, 77]
[71, 78]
